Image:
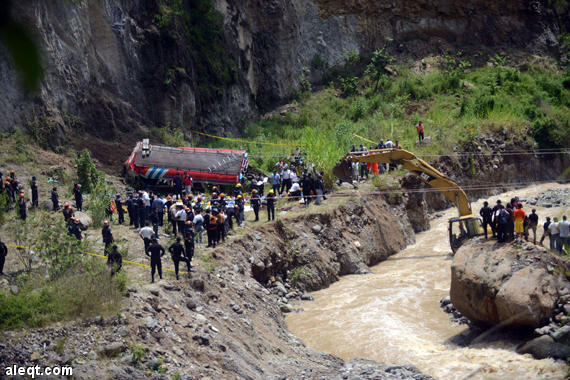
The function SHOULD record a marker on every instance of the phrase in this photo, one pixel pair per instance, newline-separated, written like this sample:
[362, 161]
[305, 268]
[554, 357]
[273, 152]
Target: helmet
[239, 196]
[106, 222]
[238, 185]
[271, 191]
[254, 191]
[222, 195]
[190, 196]
[169, 198]
[21, 195]
[75, 220]
[78, 185]
[12, 172]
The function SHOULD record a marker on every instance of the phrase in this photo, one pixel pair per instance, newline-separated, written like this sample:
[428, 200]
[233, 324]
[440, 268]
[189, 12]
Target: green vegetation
[455, 101]
[87, 174]
[297, 273]
[137, 353]
[59, 282]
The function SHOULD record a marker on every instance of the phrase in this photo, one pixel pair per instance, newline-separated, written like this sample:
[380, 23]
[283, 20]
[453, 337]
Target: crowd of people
[181, 214]
[511, 223]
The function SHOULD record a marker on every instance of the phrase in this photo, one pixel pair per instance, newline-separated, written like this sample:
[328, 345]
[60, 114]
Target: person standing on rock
[487, 214]
[518, 216]
[564, 227]
[554, 235]
[78, 197]
[155, 251]
[502, 218]
[420, 129]
[545, 233]
[115, 260]
[107, 235]
[176, 253]
[34, 188]
[3, 254]
[533, 224]
[55, 199]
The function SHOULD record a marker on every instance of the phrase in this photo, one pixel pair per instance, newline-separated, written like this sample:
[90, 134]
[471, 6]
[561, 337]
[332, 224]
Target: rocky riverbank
[227, 320]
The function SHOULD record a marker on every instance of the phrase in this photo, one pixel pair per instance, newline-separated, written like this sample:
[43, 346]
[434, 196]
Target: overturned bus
[156, 166]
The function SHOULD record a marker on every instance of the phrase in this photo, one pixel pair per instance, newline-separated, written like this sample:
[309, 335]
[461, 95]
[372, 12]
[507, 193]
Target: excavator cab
[462, 229]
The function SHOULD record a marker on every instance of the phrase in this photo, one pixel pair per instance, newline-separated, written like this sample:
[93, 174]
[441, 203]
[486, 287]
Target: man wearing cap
[22, 206]
[155, 251]
[78, 196]
[107, 235]
[34, 188]
[74, 229]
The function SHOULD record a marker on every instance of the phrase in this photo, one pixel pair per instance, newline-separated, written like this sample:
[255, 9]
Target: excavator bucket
[343, 171]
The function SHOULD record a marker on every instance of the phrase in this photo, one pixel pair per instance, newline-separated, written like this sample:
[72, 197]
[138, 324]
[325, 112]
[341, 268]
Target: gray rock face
[545, 347]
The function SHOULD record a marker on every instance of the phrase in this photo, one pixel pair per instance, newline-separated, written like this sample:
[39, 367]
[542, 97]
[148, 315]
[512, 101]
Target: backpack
[503, 217]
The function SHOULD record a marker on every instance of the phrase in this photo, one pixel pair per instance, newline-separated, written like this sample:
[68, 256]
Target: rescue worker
[107, 235]
[115, 260]
[255, 203]
[176, 253]
[420, 129]
[533, 224]
[545, 226]
[78, 197]
[189, 245]
[230, 215]
[237, 190]
[270, 198]
[34, 188]
[147, 234]
[198, 223]
[55, 199]
[221, 233]
[155, 251]
[518, 216]
[120, 211]
[241, 208]
[74, 229]
[67, 212]
[211, 227]
[22, 206]
[487, 214]
[3, 254]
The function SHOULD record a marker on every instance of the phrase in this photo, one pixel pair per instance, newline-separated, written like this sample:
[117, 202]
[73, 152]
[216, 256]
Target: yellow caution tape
[244, 141]
[363, 138]
[104, 257]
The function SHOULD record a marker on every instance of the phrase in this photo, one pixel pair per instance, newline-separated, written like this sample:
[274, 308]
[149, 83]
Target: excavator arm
[427, 173]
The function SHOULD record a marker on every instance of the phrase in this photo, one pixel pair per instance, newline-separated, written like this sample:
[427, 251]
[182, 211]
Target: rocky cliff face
[114, 68]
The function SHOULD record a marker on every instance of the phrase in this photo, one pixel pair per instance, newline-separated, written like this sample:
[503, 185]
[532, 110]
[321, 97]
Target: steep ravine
[223, 322]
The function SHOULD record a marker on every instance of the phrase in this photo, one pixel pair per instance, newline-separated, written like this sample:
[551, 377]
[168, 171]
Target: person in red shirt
[188, 184]
[519, 215]
[420, 129]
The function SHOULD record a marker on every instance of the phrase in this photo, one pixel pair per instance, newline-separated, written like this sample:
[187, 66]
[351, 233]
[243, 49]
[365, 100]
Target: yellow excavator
[461, 228]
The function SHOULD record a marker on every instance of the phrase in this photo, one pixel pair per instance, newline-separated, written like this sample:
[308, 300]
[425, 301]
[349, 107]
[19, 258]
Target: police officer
[176, 253]
[120, 211]
[22, 206]
[78, 196]
[486, 213]
[115, 260]
[34, 187]
[107, 235]
[3, 253]
[155, 251]
[55, 199]
[255, 202]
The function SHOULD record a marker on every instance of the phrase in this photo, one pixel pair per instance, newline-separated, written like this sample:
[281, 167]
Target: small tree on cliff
[377, 66]
[87, 174]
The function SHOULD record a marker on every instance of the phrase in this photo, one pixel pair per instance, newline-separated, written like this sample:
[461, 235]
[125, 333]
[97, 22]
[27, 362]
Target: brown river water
[393, 315]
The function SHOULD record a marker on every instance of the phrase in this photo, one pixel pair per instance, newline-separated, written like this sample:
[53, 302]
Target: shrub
[99, 203]
[87, 174]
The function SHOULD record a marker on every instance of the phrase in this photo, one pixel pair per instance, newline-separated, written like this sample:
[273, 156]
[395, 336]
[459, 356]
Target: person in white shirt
[389, 144]
[564, 228]
[146, 233]
[554, 235]
[180, 218]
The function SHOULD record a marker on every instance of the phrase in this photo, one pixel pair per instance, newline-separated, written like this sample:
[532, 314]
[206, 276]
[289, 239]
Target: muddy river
[393, 314]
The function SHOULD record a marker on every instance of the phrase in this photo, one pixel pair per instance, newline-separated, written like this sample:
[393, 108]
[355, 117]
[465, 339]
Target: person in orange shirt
[420, 129]
[519, 215]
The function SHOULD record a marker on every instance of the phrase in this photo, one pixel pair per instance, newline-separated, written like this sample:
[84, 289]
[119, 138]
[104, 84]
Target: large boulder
[492, 284]
[84, 219]
[545, 347]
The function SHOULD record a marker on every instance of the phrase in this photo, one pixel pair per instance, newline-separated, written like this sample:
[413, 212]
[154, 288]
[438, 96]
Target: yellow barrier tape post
[244, 141]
